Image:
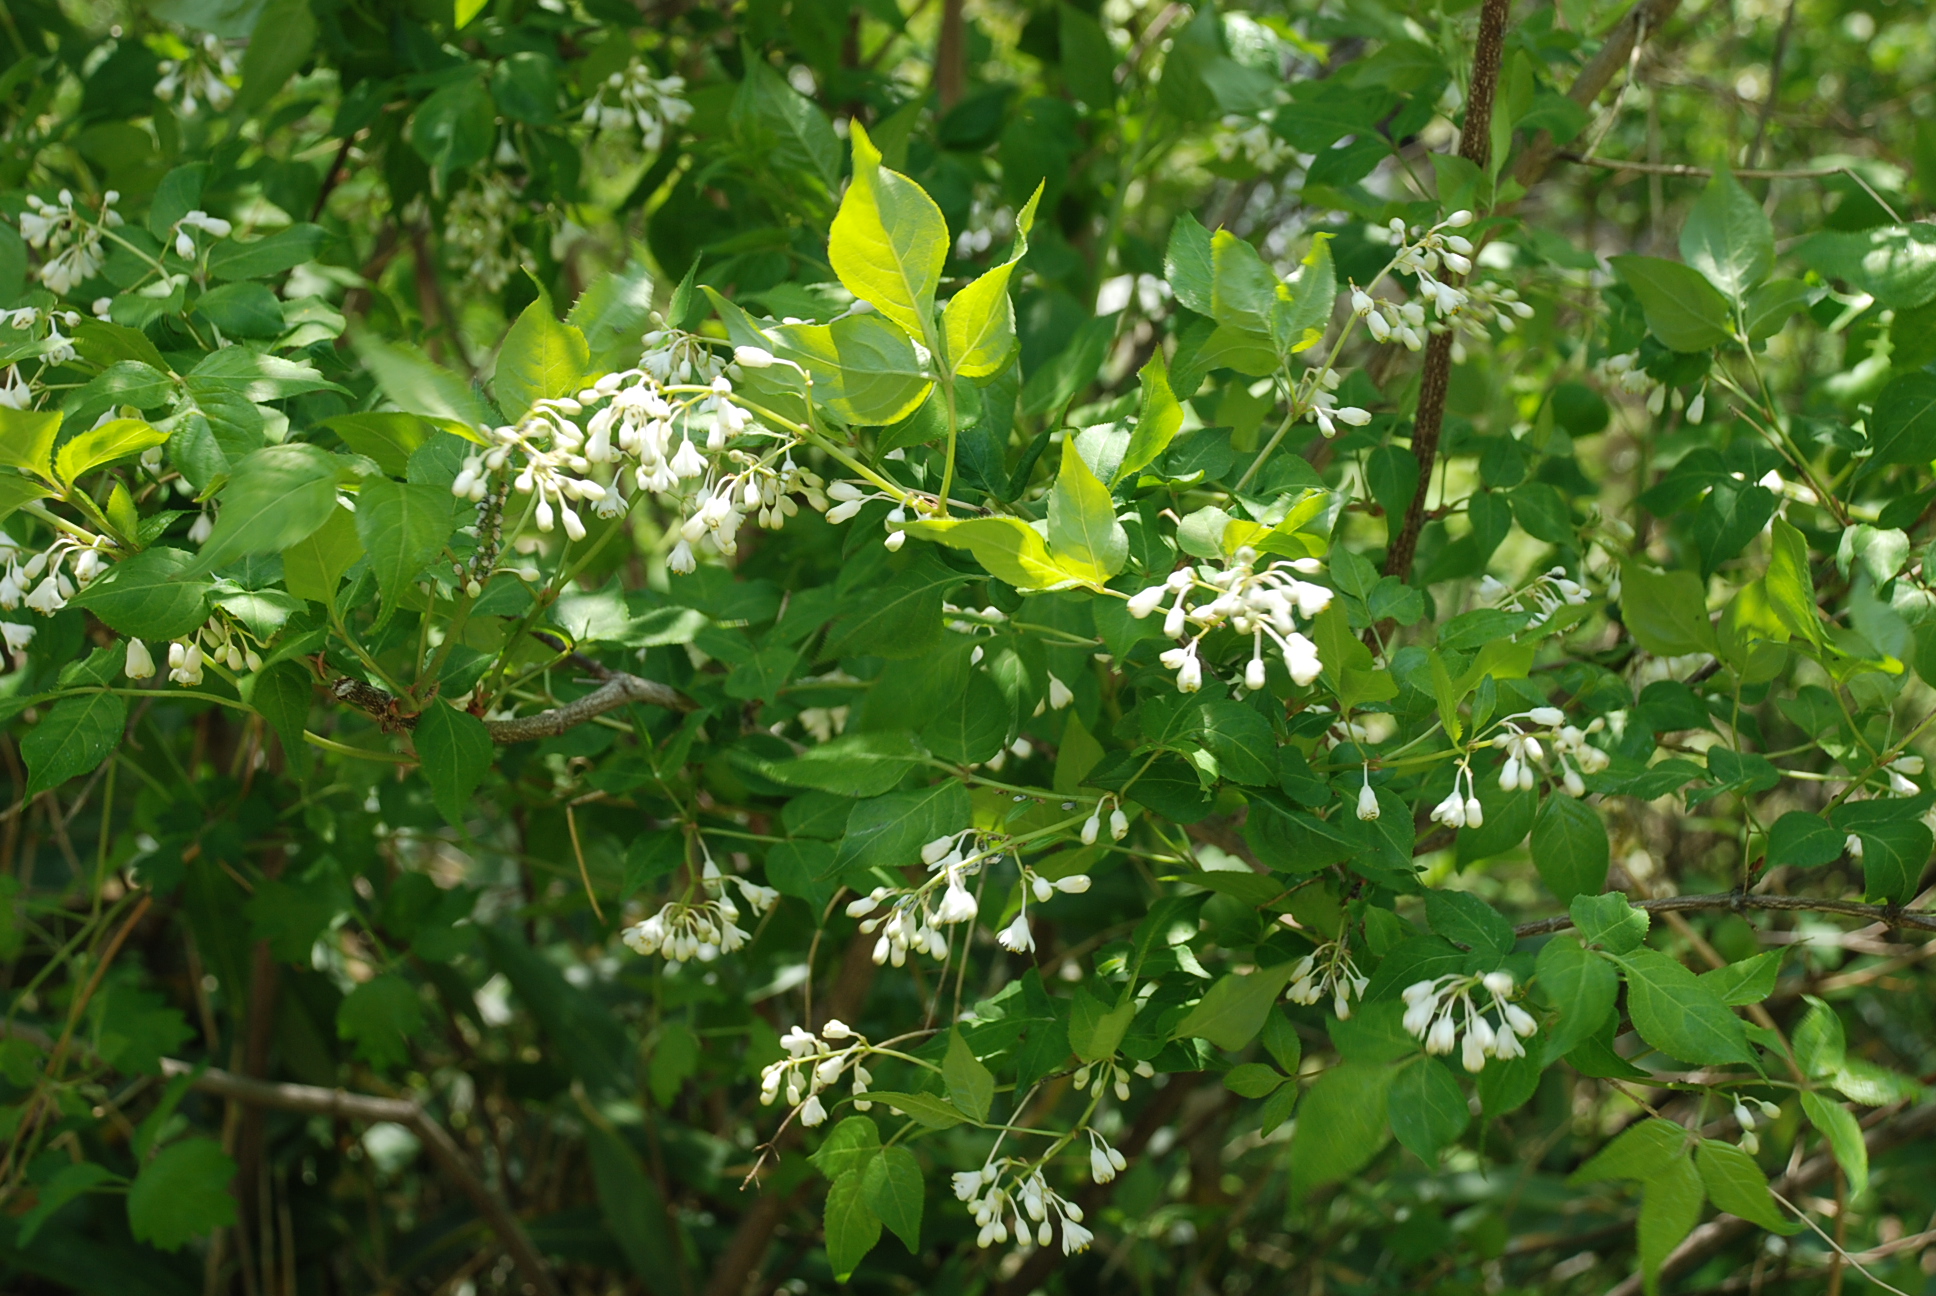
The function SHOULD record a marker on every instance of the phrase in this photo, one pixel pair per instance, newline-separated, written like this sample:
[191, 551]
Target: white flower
[1118, 824]
[19, 636]
[1059, 694]
[140, 665]
[1075, 1237]
[1016, 937]
[1367, 802]
[811, 1112]
[957, 905]
[1101, 1170]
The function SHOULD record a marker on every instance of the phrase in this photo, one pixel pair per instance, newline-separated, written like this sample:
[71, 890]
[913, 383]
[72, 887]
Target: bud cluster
[44, 580]
[1461, 809]
[704, 929]
[202, 77]
[1026, 1200]
[1252, 601]
[914, 916]
[1744, 1116]
[1016, 937]
[637, 98]
[1442, 1013]
[70, 238]
[1327, 970]
[1109, 1075]
[477, 230]
[812, 1064]
[1525, 752]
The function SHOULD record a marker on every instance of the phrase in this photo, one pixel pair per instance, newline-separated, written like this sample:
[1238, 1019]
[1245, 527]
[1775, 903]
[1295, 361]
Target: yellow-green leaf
[27, 439]
[1083, 530]
[1158, 422]
[105, 444]
[314, 566]
[541, 359]
[889, 241]
[979, 323]
[1008, 548]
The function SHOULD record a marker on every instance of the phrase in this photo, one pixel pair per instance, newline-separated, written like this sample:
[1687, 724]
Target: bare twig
[1694, 172]
[1889, 915]
[618, 690]
[1645, 17]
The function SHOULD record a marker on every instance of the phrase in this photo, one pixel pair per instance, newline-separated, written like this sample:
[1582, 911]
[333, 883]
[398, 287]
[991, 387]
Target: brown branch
[1889, 915]
[618, 690]
[1694, 172]
[1646, 16]
[951, 56]
[1891, 1132]
[1475, 146]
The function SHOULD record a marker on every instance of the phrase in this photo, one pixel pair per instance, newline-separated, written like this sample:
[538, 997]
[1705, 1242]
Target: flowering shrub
[1328, 716]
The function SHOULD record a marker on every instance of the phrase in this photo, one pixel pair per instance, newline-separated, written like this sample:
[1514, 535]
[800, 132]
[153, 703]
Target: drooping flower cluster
[1744, 1117]
[477, 230]
[1009, 1191]
[914, 916]
[703, 929]
[1252, 601]
[812, 1064]
[43, 581]
[1525, 752]
[1252, 140]
[1016, 937]
[70, 238]
[202, 77]
[1110, 1075]
[1461, 809]
[1327, 970]
[1442, 1012]
[635, 98]
[1424, 252]
[184, 239]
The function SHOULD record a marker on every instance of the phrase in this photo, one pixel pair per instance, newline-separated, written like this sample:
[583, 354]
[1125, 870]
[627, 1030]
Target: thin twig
[1889, 915]
[1697, 173]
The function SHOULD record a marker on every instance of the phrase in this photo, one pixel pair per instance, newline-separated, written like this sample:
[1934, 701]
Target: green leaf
[865, 371]
[1008, 549]
[889, 831]
[1188, 265]
[70, 1181]
[242, 310]
[1804, 840]
[783, 126]
[74, 736]
[1096, 1029]
[1893, 856]
[1157, 423]
[852, 764]
[1428, 1109]
[149, 596]
[1374, 1033]
[1670, 1204]
[16, 490]
[1844, 1134]
[1242, 741]
[1737, 1185]
[979, 322]
[892, 1186]
[1253, 1080]
[1570, 847]
[455, 127]
[925, 1109]
[1790, 585]
[1678, 1015]
[1609, 921]
[1683, 309]
[277, 497]
[388, 438]
[1728, 237]
[182, 1194]
[1465, 918]
[1088, 60]
[1083, 531]
[1282, 1042]
[1580, 986]
[380, 1016]
[105, 444]
[852, 1226]
[1341, 1125]
[27, 439]
[314, 566]
[1896, 264]
[633, 1211]
[1747, 982]
[541, 359]
[612, 313]
[232, 259]
[1233, 1010]
[852, 1144]
[1819, 1043]
[971, 1086]
[252, 376]
[889, 241]
[1665, 612]
[973, 724]
[290, 915]
[418, 385]
[403, 528]
[456, 752]
[1641, 1151]
[1902, 425]
[288, 33]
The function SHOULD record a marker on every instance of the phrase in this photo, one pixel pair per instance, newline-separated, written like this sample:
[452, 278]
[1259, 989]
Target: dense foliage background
[966, 647]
